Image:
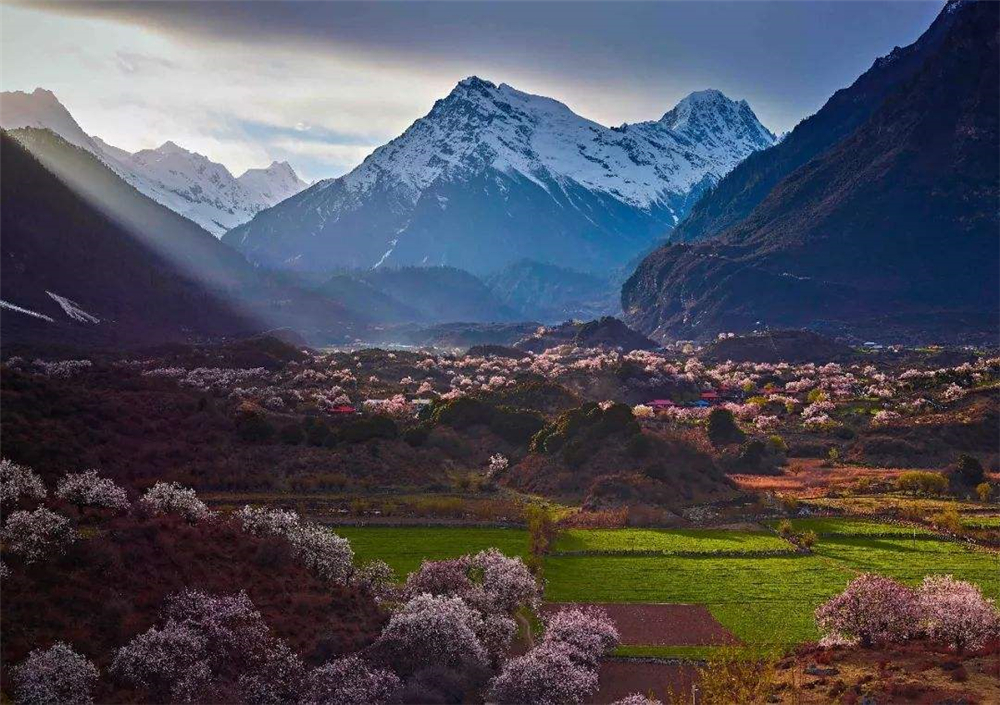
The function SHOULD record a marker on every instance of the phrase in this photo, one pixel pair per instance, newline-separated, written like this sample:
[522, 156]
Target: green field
[909, 561]
[981, 521]
[404, 548]
[668, 541]
[837, 526]
[765, 601]
[761, 600]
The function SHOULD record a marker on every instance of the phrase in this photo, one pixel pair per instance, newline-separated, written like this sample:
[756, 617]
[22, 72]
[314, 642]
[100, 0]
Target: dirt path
[662, 624]
[625, 677]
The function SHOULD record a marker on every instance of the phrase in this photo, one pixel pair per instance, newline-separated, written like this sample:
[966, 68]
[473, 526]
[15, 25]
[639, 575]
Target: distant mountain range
[418, 295]
[86, 259]
[876, 217]
[493, 175]
[186, 182]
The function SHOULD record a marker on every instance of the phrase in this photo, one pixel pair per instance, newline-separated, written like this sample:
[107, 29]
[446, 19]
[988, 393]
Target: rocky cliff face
[890, 232]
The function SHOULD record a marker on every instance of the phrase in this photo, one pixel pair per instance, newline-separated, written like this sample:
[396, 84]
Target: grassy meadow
[766, 601]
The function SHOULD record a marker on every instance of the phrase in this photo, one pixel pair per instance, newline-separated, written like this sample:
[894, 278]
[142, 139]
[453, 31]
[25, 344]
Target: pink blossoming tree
[350, 681]
[872, 609]
[956, 613]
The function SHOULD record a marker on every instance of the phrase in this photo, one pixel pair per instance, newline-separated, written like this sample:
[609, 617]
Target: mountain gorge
[877, 217]
[493, 175]
[186, 182]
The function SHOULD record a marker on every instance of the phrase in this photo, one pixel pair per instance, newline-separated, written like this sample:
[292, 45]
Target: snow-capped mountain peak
[710, 118]
[184, 181]
[41, 109]
[484, 157]
[273, 183]
[480, 124]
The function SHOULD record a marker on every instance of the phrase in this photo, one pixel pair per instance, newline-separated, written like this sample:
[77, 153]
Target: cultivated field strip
[763, 600]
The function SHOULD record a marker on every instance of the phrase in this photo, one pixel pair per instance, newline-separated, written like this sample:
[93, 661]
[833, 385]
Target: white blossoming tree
[88, 489]
[55, 676]
[171, 498]
[17, 482]
[38, 534]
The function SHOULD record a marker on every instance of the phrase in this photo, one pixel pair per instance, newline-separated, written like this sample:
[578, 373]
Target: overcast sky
[322, 84]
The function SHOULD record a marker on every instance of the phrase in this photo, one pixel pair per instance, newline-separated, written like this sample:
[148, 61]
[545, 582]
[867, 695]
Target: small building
[343, 409]
[711, 396]
[660, 404]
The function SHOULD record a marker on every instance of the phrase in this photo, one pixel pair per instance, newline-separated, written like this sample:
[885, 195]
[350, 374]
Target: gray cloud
[785, 57]
[322, 83]
[132, 62]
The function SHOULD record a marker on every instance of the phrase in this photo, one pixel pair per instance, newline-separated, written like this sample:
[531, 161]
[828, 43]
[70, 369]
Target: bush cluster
[516, 426]
[578, 433]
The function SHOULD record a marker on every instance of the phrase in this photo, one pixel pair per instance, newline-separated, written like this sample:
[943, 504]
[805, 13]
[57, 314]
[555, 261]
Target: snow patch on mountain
[41, 109]
[72, 309]
[14, 307]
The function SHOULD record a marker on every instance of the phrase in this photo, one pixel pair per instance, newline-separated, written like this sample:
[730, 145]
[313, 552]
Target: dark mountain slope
[553, 294]
[441, 294]
[74, 228]
[740, 191]
[417, 295]
[892, 232]
[55, 241]
[360, 295]
[607, 332]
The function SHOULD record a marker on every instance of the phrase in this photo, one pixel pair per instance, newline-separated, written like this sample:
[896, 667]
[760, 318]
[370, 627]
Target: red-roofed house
[660, 404]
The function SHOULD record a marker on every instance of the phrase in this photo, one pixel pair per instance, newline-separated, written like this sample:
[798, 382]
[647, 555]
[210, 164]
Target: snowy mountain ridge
[186, 182]
[493, 174]
[480, 124]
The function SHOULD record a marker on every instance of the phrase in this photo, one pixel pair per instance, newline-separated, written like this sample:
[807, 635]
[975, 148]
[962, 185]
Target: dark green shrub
[252, 424]
[317, 433]
[575, 453]
[417, 435]
[921, 482]
[969, 470]
[515, 425]
[368, 428]
[539, 440]
[843, 432]
[722, 428]
[462, 412]
[627, 369]
[776, 444]
[618, 418]
[536, 395]
[638, 446]
[585, 427]
[291, 434]
[752, 453]
[656, 471]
